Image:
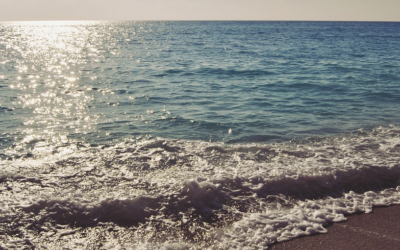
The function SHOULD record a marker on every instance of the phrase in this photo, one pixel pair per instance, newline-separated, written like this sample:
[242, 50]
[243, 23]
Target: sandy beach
[377, 230]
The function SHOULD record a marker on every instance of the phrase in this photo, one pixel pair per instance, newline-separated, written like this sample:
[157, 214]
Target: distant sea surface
[193, 135]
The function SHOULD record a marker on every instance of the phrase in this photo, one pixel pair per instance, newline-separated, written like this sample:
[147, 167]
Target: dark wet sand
[377, 230]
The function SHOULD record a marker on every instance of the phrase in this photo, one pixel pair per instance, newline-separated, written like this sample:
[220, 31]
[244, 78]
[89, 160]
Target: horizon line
[199, 20]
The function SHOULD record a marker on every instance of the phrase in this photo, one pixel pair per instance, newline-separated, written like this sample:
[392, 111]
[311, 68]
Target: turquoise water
[194, 135]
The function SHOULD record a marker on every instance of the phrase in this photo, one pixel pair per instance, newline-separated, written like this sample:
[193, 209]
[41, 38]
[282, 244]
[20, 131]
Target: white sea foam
[177, 194]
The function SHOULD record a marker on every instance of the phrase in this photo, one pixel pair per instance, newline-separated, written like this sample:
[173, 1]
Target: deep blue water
[235, 82]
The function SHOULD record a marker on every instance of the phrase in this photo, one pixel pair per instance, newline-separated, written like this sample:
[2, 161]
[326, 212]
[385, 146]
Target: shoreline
[377, 230]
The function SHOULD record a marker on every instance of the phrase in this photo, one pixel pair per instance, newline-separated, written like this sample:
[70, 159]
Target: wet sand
[377, 230]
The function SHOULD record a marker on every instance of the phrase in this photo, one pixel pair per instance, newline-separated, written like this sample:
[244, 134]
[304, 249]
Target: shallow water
[194, 195]
[193, 135]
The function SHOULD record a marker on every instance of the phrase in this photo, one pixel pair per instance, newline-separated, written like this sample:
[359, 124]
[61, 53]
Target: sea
[194, 134]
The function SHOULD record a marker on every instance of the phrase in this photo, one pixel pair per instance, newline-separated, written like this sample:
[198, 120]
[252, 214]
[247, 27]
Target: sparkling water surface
[194, 135]
[100, 82]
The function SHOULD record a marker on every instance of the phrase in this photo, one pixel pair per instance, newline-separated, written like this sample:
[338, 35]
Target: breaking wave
[179, 194]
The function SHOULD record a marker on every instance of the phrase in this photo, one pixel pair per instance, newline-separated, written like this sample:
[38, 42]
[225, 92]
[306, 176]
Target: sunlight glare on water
[49, 58]
[193, 135]
[104, 82]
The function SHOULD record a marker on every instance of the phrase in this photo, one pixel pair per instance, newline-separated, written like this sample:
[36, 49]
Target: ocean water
[194, 135]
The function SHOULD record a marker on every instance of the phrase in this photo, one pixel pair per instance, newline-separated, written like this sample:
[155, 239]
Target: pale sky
[342, 10]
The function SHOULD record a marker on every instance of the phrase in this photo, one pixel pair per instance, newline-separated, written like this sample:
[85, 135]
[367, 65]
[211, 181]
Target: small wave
[208, 198]
[199, 194]
[218, 71]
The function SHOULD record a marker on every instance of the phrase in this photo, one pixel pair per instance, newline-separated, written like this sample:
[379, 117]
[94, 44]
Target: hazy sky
[350, 10]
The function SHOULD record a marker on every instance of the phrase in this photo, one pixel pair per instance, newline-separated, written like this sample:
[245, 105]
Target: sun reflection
[47, 57]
